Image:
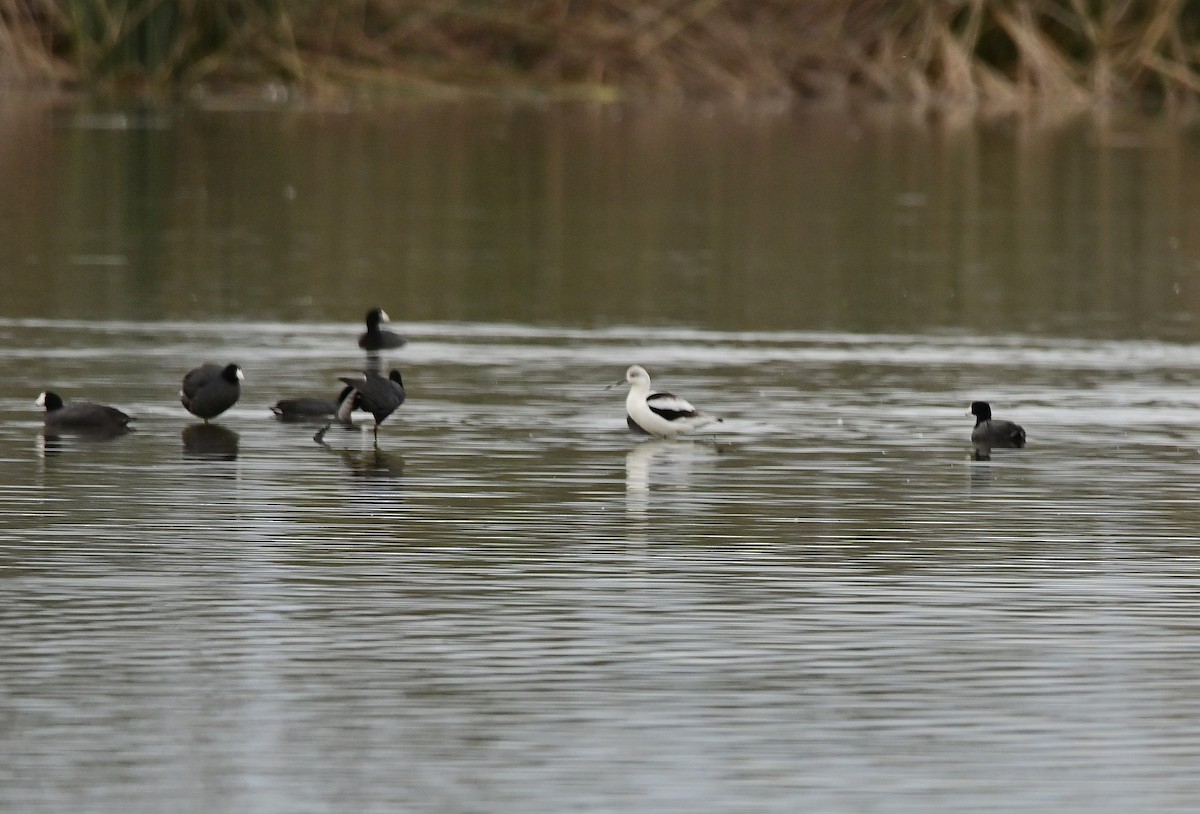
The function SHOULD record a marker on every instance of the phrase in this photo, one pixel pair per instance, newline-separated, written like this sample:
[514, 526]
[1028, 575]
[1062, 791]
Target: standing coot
[378, 396]
[210, 389]
[81, 415]
[375, 338]
[993, 433]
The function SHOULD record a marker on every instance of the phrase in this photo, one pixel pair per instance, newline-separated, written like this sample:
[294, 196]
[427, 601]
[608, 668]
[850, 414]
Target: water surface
[590, 216]
[511, 603]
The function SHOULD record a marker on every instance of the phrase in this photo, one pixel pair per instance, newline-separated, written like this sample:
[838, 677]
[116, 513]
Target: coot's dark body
[313, 409]
[994, 433]
[211, 389]
[82, 415]
[378, 396]
[375, 337]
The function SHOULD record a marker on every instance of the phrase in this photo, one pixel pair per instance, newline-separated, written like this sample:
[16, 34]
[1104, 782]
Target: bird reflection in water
[660, 463]
[374, 363]
[369, 463]
[980, 476]
[210, 441]
[53, 441]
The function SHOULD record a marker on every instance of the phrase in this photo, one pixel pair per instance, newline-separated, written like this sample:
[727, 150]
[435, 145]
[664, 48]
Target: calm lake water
[512, 604]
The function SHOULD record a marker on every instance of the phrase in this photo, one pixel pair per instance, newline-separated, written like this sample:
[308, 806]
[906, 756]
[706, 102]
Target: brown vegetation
[986, 55]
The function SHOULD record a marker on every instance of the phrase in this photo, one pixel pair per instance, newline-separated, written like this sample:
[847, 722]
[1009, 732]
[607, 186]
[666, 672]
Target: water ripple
[824, 605]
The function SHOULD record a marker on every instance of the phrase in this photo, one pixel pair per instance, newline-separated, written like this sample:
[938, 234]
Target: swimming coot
[211, 389]
[375, 338]
[994, 433]
[83, 415]
[316, 409]
[661, 414]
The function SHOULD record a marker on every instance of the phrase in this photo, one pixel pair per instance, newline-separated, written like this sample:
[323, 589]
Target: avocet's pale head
[636, 374]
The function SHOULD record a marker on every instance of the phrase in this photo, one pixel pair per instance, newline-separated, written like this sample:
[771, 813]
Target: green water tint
[592, 216]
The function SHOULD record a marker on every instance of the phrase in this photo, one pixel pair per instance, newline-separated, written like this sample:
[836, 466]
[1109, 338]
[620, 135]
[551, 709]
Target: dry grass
[159, 45]
[983, 55]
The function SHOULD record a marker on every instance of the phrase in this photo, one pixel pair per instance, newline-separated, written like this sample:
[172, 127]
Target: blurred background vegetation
[993, 56]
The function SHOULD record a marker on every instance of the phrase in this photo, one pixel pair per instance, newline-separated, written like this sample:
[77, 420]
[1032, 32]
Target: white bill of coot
[663, 414]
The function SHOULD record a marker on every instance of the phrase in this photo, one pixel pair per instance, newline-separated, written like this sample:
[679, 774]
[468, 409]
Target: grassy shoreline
[991, 57]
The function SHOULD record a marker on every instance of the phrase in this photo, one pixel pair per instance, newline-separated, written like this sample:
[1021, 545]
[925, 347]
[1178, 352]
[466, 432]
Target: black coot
[316, 409]
[375, 338]
[378, 396]
[82, 415]
[993, 433]
[210, 389]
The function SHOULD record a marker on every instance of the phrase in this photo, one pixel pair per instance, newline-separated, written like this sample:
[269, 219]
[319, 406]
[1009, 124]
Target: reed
[985, 55]
[154, 44]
